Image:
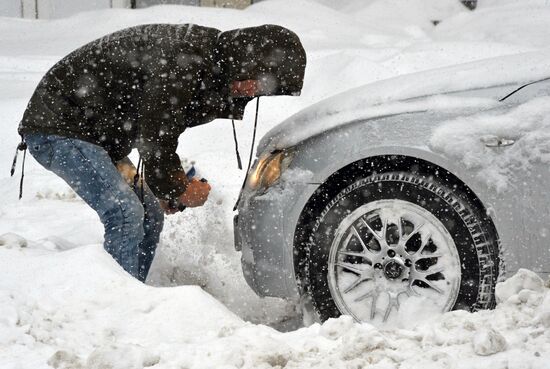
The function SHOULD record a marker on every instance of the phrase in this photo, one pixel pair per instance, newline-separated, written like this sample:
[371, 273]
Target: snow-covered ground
[65, 304]
[77, 309]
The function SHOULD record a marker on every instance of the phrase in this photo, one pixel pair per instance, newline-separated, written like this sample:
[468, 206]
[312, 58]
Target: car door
[532, 180]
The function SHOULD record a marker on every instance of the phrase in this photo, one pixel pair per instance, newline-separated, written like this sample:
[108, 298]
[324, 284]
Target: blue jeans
[132, 228]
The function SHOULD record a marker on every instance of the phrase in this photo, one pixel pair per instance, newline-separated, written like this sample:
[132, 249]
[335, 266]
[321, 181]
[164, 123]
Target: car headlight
[269, 168]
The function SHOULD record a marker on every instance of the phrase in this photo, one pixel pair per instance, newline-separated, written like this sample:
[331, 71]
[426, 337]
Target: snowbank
[78, 309]
[526, 23]
[80, 300]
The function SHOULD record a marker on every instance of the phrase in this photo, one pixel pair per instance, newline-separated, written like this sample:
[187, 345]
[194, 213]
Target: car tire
[471, 238]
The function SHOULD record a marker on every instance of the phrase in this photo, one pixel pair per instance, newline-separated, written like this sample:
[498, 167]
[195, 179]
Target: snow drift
[58, 309]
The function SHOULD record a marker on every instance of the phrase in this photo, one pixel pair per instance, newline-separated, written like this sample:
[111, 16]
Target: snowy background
[64, 303]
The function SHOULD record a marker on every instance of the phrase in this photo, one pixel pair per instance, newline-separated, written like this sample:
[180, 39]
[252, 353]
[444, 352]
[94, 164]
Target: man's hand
[194, 196]
[196, 193]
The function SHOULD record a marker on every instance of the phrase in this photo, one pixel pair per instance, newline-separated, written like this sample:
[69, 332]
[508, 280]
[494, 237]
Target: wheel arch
[347, 174]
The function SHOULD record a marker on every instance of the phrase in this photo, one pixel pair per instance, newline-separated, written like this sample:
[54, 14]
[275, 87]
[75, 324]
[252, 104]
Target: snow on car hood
[387, 97]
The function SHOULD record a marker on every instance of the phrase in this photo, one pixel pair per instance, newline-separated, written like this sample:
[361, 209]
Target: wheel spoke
[373, 306]
[433, 270]
[356, 283]
[350, 267]
[356, 254]
[392, 301]
[407, 292]
[414, 231]
[372, 231]
[422, 276]
[429, 256]
[365, 296]
[432, 286]
[424, 243]
[384, 228]
[356, 233]
[399, 229]
[374, 296]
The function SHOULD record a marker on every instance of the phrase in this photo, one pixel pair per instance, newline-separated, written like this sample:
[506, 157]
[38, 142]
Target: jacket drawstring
[142, 184]
[138, 178]
[239, 163]
[21, 147]
[251, 152]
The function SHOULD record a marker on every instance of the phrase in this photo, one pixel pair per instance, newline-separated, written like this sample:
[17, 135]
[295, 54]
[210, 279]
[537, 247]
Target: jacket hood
[269, 53]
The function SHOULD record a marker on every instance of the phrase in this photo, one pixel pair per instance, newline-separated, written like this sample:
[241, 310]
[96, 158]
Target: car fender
[406, 135]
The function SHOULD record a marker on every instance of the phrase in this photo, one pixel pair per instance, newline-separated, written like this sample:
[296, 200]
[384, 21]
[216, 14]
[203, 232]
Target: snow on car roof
[358, 103]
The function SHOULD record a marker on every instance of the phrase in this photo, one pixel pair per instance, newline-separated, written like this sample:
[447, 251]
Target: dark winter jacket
[141, 87]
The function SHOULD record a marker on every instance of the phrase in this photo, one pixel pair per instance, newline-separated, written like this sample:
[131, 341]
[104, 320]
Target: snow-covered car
[405, 197]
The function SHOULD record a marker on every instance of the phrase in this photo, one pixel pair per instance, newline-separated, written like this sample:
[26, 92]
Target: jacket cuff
[171, 187]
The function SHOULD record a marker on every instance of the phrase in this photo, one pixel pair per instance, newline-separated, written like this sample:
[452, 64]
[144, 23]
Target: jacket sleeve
[167, 94]
[163, 171]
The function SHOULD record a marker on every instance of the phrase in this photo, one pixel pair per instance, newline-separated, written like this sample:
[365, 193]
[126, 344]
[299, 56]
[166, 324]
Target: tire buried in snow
[375, 256]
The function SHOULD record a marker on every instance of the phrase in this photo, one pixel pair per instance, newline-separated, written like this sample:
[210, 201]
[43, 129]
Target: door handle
[498, 141]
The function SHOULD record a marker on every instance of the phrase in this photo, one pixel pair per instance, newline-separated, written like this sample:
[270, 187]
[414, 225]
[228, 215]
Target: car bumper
[264, 232]
[247, 262]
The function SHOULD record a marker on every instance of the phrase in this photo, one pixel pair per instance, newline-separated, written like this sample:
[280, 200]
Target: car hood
[411, 93]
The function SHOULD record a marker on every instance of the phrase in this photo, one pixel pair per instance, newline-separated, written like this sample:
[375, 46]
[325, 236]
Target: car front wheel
[399, 247]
